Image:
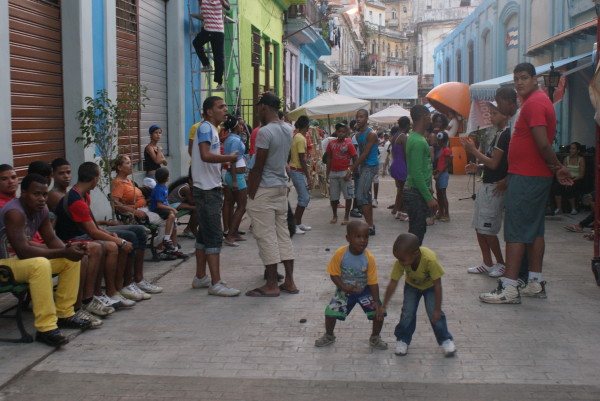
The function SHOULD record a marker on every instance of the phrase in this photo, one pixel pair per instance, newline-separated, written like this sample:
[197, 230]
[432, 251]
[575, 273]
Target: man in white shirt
[208, 194]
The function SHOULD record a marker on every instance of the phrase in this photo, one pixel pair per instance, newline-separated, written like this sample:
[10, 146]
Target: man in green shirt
[417, 190]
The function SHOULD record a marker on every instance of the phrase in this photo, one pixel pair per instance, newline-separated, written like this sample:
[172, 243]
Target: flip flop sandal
[232, 244]
[345, 222]
[281, 288]
[333, 220]
[573, 229]
[258, 293]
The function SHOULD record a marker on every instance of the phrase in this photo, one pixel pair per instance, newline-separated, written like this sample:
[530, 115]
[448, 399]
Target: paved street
[184, 344]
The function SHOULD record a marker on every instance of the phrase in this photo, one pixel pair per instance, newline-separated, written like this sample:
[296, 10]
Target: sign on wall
[512, 38]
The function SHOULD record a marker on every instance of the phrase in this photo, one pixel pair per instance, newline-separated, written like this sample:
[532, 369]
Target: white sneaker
[119, 301]
[222, 290]
[84, 315]
[208, 68]
[304, 227]
[107, 301]
[479, 269]
[299, 230]
[149, 288]
[98, 308]
[534, 289]
[401, 348]
[449, 348]
[203, 282]
[557, 211]
[130, 292]
[573, 212]
[498, 270]
[502, 295]
[137, 289]
[219, 88]
[374, 203]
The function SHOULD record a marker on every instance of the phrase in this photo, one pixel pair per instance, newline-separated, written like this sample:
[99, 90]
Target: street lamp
[551, 81]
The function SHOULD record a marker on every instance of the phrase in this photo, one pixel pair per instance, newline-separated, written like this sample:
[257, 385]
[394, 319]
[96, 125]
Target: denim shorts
[299, 181]
[241, 180]
[365, 181]
[442, 180]
[208, 207]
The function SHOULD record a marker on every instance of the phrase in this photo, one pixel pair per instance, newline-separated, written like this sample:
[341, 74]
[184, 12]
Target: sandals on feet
[333, 220]
[573, 228]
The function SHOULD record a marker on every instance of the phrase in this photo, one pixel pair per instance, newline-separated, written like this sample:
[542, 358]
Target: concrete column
[176, 84]
[78, 73]
[6, 155]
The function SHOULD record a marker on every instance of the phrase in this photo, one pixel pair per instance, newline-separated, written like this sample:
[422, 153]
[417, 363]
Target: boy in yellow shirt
[423, 279]
[353, 270]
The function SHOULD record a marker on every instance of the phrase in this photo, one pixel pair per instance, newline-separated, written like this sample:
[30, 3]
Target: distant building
[434, 20]
[500, 34]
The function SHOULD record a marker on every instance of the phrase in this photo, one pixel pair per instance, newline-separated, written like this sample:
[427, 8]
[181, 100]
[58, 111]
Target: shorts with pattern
[342, 304]
[488, 211]
[337, 186]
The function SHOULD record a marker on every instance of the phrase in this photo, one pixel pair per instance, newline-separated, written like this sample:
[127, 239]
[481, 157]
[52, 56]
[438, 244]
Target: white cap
[149, 182]
[493, 104]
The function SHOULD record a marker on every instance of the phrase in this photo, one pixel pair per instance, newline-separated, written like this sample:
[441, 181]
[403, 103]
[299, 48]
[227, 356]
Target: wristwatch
[123, 243]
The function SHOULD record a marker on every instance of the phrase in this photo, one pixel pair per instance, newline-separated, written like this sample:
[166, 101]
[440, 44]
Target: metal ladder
[202, 85]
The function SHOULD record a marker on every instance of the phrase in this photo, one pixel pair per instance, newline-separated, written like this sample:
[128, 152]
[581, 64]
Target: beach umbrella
[389, 115]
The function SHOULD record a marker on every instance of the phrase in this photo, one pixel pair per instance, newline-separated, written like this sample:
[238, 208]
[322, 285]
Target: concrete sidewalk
[185, 344]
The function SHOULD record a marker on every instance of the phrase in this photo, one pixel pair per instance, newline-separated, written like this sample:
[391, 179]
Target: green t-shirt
[429, 269]
[418, 165]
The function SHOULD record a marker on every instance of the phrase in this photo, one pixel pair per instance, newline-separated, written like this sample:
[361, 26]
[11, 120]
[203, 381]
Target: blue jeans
[364, 184]
[210, 232]
[135, 234]
[299, 181]
[417, 212]
[408, 320]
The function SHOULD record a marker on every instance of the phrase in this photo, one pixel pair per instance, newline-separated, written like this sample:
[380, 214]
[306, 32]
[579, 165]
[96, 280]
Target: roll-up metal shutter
[128, 70]
[153, 68]
[38, 130]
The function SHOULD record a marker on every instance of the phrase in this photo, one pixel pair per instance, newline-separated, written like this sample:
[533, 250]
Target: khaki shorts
[268, 213]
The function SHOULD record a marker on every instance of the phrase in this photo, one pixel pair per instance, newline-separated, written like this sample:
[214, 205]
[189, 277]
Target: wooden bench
[19, 290]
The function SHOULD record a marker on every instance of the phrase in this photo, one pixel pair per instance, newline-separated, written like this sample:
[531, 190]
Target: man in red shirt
[531, 166]
[8, 184]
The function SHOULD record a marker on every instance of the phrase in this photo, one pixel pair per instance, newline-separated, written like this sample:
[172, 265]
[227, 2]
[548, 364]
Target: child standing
[441, 175]
[159, 204]
[423, 279]
[354, 272]
[340, 156]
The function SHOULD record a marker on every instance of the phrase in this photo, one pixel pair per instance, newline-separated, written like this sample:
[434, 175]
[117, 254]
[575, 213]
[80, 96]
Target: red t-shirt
[445, 153]
[524, 158]
[341, 154]
[253, 141]
[4, 200]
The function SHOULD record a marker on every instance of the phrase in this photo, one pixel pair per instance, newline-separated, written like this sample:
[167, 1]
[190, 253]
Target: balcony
[303, 23]
[393, 23]
[309, 12]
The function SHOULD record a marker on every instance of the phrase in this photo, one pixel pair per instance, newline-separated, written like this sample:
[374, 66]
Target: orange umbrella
[451, 96]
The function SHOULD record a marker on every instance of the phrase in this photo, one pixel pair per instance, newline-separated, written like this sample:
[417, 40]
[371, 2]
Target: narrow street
[186, 345]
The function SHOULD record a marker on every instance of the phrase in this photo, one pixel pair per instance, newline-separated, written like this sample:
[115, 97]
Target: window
[396, 51]
[374, 48]
[486, 73]
[471, 63]
[394, 14]
[389, 53]
[465, 3]
[459, 65]
[447, 75]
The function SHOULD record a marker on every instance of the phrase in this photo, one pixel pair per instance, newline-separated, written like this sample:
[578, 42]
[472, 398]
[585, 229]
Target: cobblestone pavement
[185, 344]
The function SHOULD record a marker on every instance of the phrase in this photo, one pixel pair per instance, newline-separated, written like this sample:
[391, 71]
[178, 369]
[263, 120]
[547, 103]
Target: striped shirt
[212, 11]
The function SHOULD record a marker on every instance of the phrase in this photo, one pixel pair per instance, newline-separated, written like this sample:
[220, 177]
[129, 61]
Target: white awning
[486, 90]
[387, 87]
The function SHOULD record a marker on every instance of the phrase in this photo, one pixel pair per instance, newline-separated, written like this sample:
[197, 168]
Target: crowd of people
[100, 264]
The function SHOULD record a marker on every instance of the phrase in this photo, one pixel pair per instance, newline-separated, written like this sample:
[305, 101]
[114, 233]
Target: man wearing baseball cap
[489, 202]
[267, 193]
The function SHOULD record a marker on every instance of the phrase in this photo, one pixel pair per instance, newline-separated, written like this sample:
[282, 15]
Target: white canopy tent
[327, 105]
[389, 115]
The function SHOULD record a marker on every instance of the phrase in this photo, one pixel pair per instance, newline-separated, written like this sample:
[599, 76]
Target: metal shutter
[153, 68]
[128, 70]
[38, 130]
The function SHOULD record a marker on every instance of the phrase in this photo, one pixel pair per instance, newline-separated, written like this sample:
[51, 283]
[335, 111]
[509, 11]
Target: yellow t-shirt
[298, 146]
[357, 270]
[429, 269]
[193, 130]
